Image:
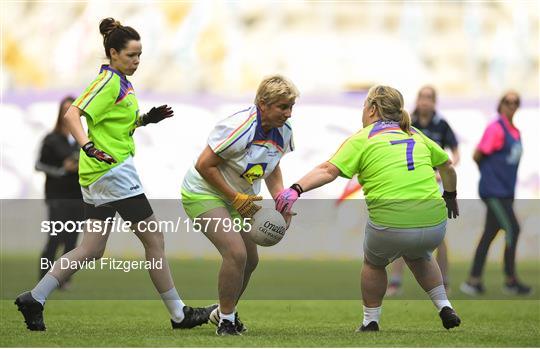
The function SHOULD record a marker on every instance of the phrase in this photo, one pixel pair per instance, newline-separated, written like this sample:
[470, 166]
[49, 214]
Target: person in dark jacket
[58, 159]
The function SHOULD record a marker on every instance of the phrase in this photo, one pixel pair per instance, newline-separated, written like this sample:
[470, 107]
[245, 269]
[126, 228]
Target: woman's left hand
[155, 115]
[451, 204]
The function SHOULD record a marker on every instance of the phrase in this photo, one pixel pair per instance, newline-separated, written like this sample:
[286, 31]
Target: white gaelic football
[267, 227]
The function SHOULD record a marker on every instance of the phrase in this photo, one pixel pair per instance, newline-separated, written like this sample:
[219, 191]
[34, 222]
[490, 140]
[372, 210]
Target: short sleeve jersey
[249, 153]
[396, 172]
[111, 109]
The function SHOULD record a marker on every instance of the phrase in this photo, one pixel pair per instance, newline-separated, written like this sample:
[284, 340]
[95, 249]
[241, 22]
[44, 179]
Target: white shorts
[121, 182]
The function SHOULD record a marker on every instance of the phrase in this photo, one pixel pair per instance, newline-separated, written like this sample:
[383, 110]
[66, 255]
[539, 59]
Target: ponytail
[405, 122]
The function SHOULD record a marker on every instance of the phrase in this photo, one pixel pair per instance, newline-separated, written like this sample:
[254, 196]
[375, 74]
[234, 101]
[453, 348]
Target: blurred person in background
[59, 160]
[109, 181]
[426, 118]
[407, 215]
[242, 150]
[498, 155]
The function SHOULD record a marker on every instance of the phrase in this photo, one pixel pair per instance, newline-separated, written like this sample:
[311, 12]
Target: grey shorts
[382, 245]
[121, 182]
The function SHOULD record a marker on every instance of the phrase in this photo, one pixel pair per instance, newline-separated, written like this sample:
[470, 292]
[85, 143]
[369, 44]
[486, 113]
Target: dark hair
[60, 118]
[503, 99]
[115, 35]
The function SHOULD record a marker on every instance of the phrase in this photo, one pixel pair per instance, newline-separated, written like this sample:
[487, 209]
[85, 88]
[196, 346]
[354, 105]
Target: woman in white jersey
[242, 150]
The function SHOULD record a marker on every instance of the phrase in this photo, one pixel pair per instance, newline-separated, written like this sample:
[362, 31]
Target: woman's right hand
[98, 154]
[285, 199]
[244, 204]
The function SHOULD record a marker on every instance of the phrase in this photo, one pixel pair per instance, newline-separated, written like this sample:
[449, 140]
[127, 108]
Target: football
[267, 227]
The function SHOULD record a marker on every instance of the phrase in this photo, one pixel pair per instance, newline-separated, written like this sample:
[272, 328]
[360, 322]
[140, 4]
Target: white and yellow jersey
[249, 153]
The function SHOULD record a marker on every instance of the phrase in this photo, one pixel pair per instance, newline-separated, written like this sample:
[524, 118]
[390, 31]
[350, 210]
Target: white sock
[439, 298]
[174, 304]
[229, 317]
[371, 314]
[44, 288]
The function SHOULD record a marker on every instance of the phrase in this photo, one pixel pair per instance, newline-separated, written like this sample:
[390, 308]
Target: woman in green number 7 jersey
[407, 215]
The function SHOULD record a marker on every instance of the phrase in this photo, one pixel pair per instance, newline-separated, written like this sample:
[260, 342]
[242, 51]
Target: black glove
[155, 115]
[100, 155]
[451, 203]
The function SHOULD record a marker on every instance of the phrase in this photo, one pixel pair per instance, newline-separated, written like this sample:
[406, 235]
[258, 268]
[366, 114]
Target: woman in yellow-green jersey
[109, 180]
[407, 215]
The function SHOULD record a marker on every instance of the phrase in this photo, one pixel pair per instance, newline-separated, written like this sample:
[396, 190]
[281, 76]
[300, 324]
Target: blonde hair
[273, 88]
[388, 103]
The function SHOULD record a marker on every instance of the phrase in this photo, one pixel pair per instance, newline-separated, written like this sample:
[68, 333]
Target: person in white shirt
[221, 187]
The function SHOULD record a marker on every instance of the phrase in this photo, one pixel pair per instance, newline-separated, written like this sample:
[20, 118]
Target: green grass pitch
[293, 303]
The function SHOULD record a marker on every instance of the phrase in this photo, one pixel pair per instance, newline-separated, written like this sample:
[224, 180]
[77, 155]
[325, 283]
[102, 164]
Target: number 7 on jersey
[409, 151]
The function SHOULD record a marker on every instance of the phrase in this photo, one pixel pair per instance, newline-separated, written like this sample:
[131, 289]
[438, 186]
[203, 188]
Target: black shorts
[133, 209]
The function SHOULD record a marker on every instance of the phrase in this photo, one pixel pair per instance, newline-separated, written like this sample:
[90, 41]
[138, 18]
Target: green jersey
[396, 172]
[111, 109]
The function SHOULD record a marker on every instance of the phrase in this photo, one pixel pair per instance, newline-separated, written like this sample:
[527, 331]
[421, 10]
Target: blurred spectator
[59, 160]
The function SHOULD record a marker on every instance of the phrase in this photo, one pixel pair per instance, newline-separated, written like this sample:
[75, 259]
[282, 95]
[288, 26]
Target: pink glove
[285, 200]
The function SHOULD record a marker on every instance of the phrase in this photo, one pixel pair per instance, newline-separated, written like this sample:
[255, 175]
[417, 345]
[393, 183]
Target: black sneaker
[373, 326]
[517, 288]
[32, 311]
[240, 327]
[472, 289]
[449, 318]
[227, 328]
[194, 317]
[214, 318]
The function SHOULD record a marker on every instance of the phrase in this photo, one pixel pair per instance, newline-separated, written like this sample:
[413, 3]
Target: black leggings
[133, 209]
[62, 210]
[500, 215]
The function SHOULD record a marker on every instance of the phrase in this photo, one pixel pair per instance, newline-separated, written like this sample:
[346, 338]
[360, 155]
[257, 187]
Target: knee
[369, 265]
[90, 249]
[237, 256]
[153, 241]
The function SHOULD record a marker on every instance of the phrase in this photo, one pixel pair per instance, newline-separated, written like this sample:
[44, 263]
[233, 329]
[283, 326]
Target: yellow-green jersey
[111, 110]
[396, 172]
